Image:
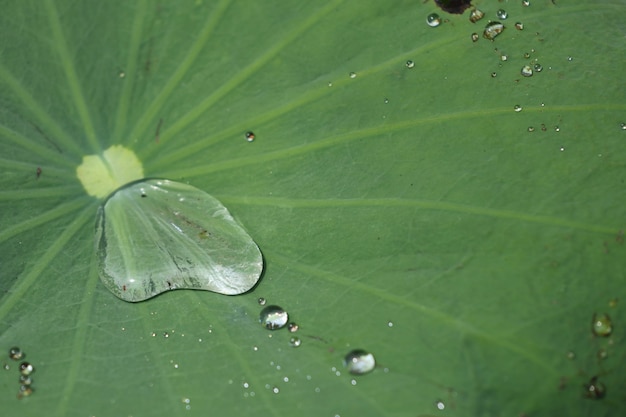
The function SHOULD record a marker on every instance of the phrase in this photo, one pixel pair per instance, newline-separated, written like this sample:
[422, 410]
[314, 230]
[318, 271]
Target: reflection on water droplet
[262, 301]
[26, 368]
[353, 75]
[295, 342]
[602, 325]
[526, 71]
[410, 64]
[474, 37]
[359, 362]
[476, 15]
[16, 353]
[517, 108]
[537, 67]
[292, 327]
[249, 136]
[440, 405]
[519, 26]
[273, 317]
[433, 20]
[502, 14]
[492, 30]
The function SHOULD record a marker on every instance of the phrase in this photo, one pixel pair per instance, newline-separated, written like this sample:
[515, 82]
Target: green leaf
[408, 212]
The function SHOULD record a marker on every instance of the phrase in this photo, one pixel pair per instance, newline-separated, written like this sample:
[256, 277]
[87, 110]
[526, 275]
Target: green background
[488, 247]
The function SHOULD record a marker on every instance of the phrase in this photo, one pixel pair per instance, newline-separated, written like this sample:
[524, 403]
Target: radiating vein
[35, 148]
[72, 78]
[41, 117]
[390, 203]
[39, 193]
[24, 283]
[299, 28]
[130, 70]
[422, 309]
[45, 217]
[150, 114]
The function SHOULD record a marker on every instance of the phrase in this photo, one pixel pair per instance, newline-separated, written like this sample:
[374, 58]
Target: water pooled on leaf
[502, 14]
[492, 30]
[359, 362]
[273, 317]
[602, 325]
[476, 15]
[527, 71]
[16, 353]
[433, 20]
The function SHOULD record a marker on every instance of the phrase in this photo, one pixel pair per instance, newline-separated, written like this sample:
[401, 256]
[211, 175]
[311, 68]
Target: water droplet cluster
[25, 369]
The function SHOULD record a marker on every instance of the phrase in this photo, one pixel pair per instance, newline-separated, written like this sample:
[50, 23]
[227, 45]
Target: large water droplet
[273, 317]
[16, 353]
[433, 20]
[492, 30]
[476, 15]
[359, 362]
[602, 325]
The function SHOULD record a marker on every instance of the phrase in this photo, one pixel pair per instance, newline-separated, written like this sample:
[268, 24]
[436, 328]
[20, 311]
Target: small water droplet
[526, 3]
[295, 342]
[504, 57]
[475, 37]
[517, 108]
[286, 379]
[16, 353]
[502, 14]
[538, 67]
[262, 301]
[595, 389]
[390, 323]
[122, 74]
[519, 26]
[275, 390]
[293, 327]
[249, 136]
[623, 126]
[353, 381]
[543, 127]
[492, 30]
[476, 15]
[246, 385]
[527, 71]
[359, 362]
[440, 405]
[433, 20]
[571, 355]
[353, 75]
[569, 58]
[557, 129]
[602, 325]
[330, 84]
[531, 129]
[25, 391]
[603, 354]
[386, 101]
[255, 348]
[25, 380]
[166, 335]
[273, 317]
[494, 74]
[26, 368]
[561, 149]
[6, 367]
[410, 64]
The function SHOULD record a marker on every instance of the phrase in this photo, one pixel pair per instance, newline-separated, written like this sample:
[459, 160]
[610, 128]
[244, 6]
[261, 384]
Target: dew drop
[476, 15]
[532, 129]
[519, 26]
[538, 67]
[275, 390]
[502, 14]
[262, 301]
[492, 30]
[569, 58]
[517, 108]
[504, 57]
[330, 84]
[353, 381]
[249, 136]
[390, 323]
[122, 74]
[595, 389]
[25, 391]
[410, 64]
[293, 327]
[273, 317]
[526, 3]
[494, 74]
[353, 75]
[440, 405]
[527, 71]
[295, 342]
[623, 126]
[16, 353]
[359, 362]
[557, 129]
[475, 37]
[6, 367]
[166, 335]
[386, 101]
[25, 380]
[26, 368]
[433, 20]
[602, 325]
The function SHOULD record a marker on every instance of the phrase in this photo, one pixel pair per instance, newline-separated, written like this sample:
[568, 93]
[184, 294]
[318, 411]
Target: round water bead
[25, 380]
[295, 342]
[293, 327]
[492, 30]
[16, 353]
[474, 37]
[517, 108]
[25, 391]
[602, 325]
[249, 136]
[359, 362]
[262, 301]
[476, 15]
[502, 14]
[353, 75]
[410, 64]
[433, 20]
[595, 389]
[26, 368]
[527, 71]
[273, 317]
